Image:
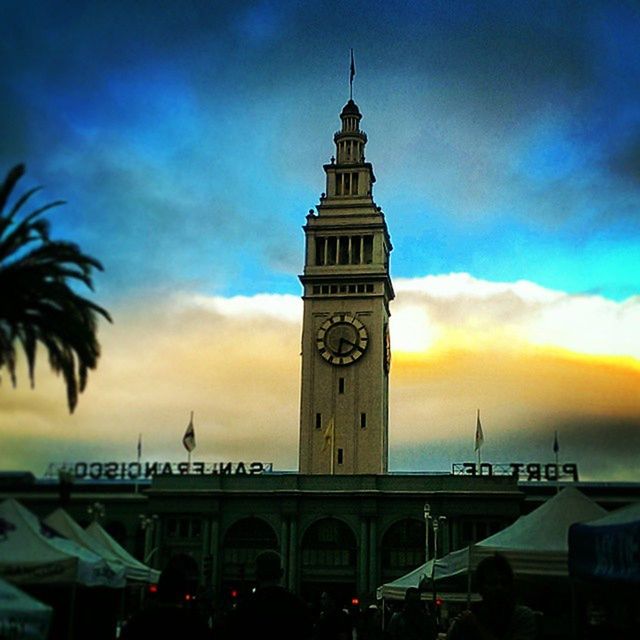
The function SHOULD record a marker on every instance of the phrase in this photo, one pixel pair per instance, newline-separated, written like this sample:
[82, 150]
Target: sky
[188, 140]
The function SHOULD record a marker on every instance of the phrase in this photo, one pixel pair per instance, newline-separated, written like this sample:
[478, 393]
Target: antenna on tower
[352, 73]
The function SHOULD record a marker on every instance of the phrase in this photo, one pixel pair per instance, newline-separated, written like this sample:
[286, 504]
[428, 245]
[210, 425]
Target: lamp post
[427, 518]
[436, 526]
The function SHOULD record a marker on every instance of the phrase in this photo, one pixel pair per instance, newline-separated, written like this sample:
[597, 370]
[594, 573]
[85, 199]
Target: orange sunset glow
[235, 362]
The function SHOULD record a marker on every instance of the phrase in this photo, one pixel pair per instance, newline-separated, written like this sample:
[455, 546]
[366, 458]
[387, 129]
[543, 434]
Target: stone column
[157, 538]
[362, 584]
[206, 532]
[284, 552]
[453, 528]
[294, 556]
[214, 552]
[445, 537]
[374, 578]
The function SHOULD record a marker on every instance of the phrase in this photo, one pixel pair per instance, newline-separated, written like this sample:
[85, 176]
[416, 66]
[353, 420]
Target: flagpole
[333, 448]
[138, 458]
[189, 450]
[556, 450]
[480, 446]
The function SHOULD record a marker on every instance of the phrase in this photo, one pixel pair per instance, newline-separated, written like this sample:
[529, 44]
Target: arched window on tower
[320, 251]
[332, 248]
[368, 249]
[354, 184]
[356, 249]
[343, 257]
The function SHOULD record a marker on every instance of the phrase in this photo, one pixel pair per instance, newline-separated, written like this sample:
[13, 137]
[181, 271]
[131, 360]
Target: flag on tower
[556, 446]
[189, 438]
[479, 434]
[329, 433]
[352, 71]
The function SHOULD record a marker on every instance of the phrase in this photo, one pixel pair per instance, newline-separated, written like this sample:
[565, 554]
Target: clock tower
[344, 411]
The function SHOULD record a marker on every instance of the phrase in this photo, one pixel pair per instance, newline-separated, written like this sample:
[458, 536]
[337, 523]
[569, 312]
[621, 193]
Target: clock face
[342, 339]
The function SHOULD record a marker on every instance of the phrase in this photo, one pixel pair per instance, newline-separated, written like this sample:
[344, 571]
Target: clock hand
[348, 343]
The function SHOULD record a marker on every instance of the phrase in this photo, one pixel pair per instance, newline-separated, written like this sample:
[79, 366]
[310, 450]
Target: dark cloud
[606, 448]
[626, 162]
[456, 97]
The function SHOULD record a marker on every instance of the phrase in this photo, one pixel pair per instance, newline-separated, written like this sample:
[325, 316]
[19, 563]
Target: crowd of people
[271, 611]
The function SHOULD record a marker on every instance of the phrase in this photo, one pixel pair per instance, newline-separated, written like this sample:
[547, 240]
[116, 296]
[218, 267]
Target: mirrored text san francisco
[141, 470]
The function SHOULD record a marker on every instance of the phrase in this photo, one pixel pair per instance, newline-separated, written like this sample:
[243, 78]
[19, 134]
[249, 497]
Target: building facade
[344, 534]
[344, 408]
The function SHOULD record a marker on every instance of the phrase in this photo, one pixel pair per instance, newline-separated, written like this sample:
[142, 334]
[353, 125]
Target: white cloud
[456, 285]
[287, 308]
[468, 309]
[412, 329]
[590, 325]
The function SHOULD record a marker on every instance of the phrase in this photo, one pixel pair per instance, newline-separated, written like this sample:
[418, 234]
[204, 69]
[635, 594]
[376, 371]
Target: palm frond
[20, 202]
[38, 305]
[15, 173]
[25, 229]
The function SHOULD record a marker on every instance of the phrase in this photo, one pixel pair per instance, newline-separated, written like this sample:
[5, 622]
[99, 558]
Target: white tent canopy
[535, 544]
[21, 616]
[538, 543]
[451, 565]
[136, 570]
[30, 553]
[65, 525]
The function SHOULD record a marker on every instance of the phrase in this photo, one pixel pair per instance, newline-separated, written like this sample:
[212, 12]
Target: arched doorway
[242, 543]
[403, 548]
[328, 561]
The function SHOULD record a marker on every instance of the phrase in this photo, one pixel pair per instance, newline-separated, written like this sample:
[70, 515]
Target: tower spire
[352, 73]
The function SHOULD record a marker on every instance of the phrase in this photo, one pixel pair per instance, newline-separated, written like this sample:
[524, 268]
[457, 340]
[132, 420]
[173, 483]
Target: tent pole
[574, 610]
[469, 579]
[121, 607]
[72, 612]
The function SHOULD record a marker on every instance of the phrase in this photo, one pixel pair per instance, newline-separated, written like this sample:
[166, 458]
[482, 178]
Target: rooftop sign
[146, 470]
[526, 471]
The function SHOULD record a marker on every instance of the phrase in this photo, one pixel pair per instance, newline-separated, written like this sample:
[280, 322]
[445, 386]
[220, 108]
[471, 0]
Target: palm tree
[38, 303]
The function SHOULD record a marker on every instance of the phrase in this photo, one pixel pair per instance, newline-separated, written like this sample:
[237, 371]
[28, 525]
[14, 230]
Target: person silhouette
[172, 613]
[333, 623]
[497, 616]
[413, 620]
[271, 612]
